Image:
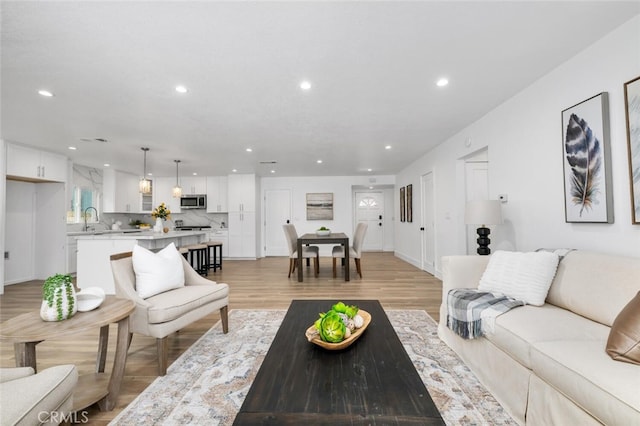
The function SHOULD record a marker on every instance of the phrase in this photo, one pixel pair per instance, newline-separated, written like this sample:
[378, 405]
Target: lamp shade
[483, 212]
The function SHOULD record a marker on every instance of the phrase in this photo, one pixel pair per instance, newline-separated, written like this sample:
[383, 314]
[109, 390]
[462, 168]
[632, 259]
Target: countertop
[129, 235]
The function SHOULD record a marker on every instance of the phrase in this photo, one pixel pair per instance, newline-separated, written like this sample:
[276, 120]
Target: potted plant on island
[159, 214]
[59, 300]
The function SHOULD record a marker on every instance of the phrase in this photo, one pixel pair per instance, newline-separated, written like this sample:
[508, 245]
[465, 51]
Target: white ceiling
[113, 67]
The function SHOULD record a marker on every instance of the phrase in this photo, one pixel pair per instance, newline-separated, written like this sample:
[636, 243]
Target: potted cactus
[59, 300]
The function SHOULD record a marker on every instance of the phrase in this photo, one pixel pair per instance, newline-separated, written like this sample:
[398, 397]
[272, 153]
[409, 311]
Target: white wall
[3, 172]
[524, 141]
[340, 186]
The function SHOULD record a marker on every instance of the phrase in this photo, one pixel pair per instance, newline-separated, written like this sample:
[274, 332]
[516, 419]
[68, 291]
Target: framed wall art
[632, 112]
[586, 159]
[409, 203]
[402, 205]
[320, 206]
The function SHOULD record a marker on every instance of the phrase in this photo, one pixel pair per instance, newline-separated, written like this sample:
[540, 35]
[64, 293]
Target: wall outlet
[503, 198]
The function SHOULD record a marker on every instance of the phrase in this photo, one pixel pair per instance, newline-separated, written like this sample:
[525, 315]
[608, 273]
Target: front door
[369, 209]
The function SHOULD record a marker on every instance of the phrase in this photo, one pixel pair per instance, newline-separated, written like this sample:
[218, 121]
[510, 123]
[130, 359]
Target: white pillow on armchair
[157, 272]
[521, 276]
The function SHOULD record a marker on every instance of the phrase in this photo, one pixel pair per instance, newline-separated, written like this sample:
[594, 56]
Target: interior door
[428, 223]
[370, 209]
[277, 208]
[477, 188]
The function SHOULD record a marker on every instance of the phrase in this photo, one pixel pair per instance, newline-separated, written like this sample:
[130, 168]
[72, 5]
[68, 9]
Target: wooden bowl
[314, 337]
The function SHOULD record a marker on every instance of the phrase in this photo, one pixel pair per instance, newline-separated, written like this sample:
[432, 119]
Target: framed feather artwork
[586, 158]
[632, 110]
[402, 205]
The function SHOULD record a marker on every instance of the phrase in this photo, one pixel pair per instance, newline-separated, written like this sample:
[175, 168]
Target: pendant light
[177, 191]
[145, 184]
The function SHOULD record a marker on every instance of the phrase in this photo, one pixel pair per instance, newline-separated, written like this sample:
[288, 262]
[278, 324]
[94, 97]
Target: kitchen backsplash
[193, 217]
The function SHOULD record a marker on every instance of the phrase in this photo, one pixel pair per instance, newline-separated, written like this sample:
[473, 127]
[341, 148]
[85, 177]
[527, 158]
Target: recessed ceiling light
[249, 150]
[46, 93]
[273, 171]
[106, 165]
[195, 173]
[149, 174]
[305, 85]
[387, 147]
[234, 170]
[72, 148]
[369, 170]
[319, 161]
[181, 89]
[442, 82]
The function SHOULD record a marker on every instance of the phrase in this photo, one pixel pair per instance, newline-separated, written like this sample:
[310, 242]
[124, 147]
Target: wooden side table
[27, 330]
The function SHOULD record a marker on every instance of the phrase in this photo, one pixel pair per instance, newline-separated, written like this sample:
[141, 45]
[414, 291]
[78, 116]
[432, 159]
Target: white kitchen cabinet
[221, 235]
[163, 193]
[72, 255]
[242, 235]
[216, 194]
[242, 192]
[31, 163]
[193, 185]
[121, 192]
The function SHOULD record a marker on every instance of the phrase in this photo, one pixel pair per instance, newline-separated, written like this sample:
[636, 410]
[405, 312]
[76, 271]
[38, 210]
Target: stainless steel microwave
[193, 202]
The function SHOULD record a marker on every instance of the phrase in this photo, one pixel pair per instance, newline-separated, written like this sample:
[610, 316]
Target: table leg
[346, 260]
[103, 344]
[299, 261]
[25, 354]
[108, 402]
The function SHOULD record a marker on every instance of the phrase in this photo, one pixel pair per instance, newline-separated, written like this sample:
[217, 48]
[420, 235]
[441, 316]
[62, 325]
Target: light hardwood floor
[261, 284]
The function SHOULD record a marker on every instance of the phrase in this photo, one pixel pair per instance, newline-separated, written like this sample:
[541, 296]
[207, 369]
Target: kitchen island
[94, 250]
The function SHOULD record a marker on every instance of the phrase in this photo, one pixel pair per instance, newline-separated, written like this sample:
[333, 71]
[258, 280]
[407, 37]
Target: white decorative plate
[90, 298]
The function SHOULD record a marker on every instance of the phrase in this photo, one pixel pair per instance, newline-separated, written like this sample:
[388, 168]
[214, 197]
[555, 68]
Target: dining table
[314, 239]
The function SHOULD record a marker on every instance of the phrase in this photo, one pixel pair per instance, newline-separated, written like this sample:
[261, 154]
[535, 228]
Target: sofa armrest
[13, 373]
[460, 272]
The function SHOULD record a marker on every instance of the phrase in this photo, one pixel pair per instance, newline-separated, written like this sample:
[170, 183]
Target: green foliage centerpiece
[59, 300]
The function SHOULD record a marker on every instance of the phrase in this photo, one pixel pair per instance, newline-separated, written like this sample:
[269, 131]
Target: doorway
[476, 171]
[428, 223]
[369, 208]
[277, 212]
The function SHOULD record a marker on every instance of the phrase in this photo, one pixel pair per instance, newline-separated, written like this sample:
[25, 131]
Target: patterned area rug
[208, 383]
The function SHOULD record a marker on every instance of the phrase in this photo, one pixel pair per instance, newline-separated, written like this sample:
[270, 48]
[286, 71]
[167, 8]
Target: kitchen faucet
[84, 214]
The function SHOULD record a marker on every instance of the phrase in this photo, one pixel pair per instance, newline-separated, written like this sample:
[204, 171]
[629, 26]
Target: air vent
[103, 140]
[268, 162]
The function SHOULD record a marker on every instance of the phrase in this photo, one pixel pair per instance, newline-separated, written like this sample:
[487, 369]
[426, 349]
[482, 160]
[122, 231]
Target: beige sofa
[33, 399]
[547, 365]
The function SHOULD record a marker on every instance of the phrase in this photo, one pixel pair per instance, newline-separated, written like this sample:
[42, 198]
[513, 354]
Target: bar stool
[184, 252]
[214, 248]
[198, 258]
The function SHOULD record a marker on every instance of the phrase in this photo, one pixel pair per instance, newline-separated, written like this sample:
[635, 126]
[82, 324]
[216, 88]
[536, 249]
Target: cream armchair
[27, 398]
[165, 313]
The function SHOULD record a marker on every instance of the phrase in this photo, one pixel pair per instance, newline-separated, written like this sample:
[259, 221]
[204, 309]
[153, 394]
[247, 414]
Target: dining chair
[355, 251]
[291, 235]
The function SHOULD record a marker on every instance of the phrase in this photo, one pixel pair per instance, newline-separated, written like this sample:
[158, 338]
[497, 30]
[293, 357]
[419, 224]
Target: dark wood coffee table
[372, 382]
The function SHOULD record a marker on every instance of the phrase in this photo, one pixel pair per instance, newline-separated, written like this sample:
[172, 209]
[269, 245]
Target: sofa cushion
[157, 272]
[521, 276]
[582, 371]
[24, 400]
[518, 329]
[595, 285]
[624, 339]
[174, 304]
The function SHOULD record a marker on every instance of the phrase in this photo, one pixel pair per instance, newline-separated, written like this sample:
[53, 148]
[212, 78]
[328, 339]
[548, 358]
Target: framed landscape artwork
[632, 110]
[320, 206]
[402, 205]
[409, 203]
[587, 168]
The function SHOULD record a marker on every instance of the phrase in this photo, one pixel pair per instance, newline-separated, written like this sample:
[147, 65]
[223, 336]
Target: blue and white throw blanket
[472, 313]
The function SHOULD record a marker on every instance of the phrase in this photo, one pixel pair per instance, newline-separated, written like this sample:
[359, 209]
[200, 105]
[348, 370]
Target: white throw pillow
[522, 276]
[157, 272]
